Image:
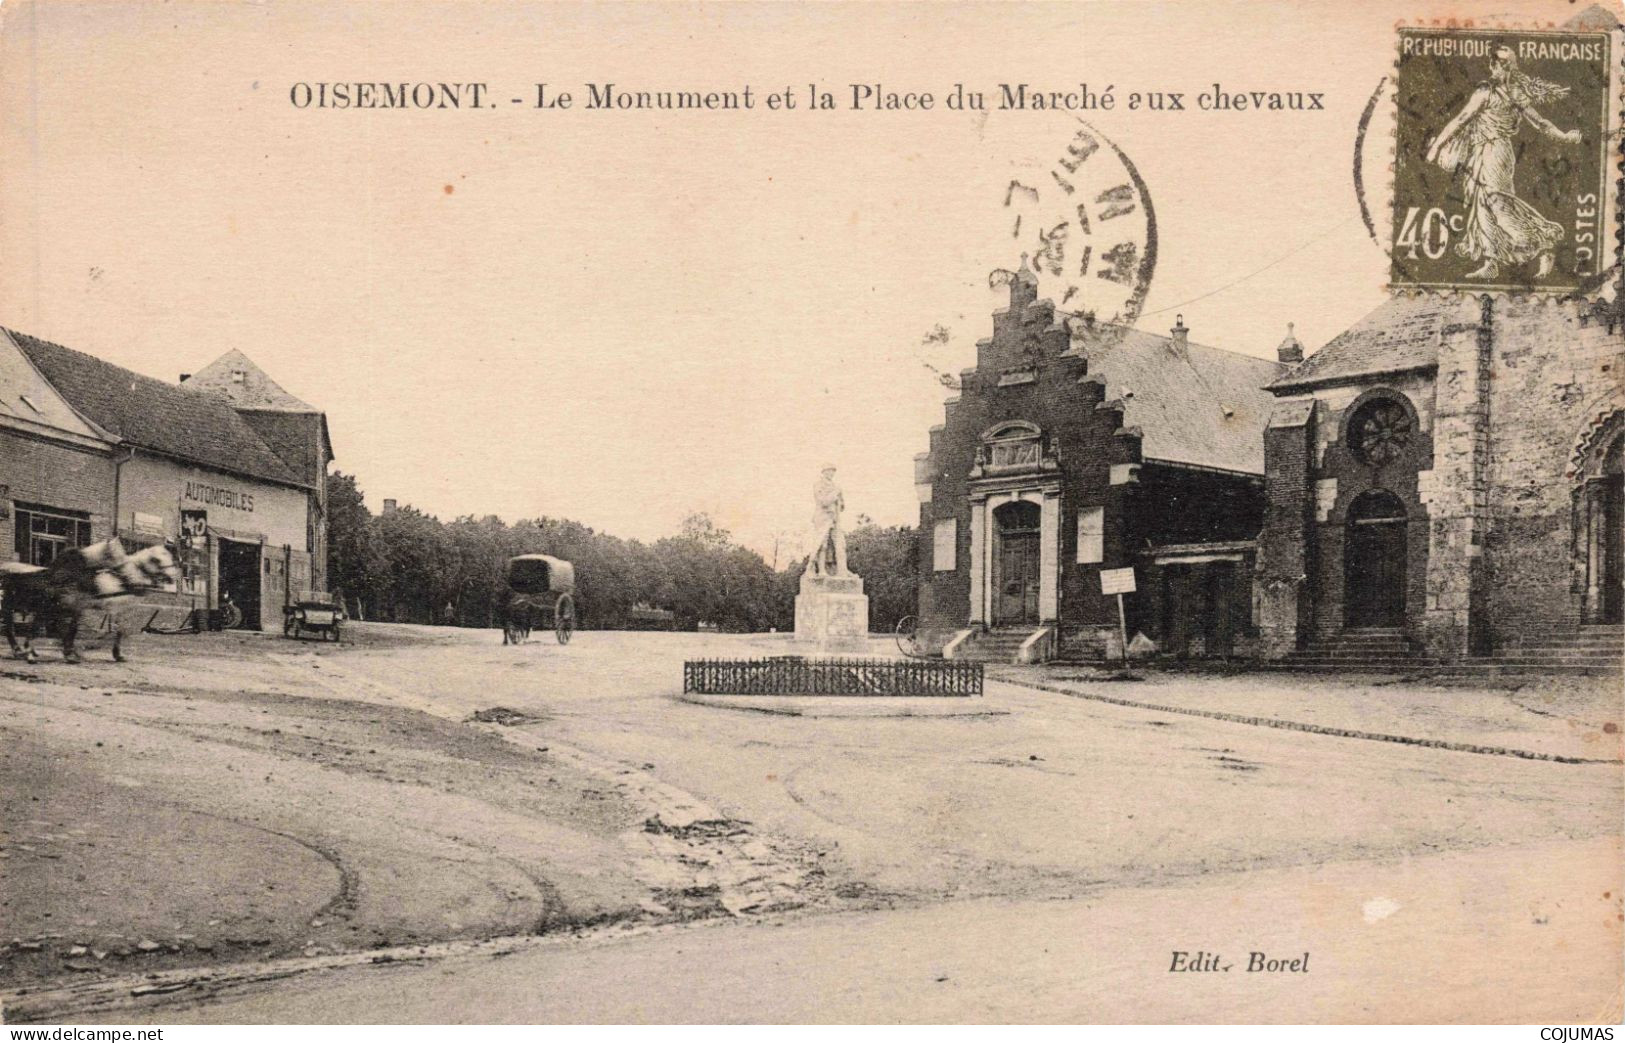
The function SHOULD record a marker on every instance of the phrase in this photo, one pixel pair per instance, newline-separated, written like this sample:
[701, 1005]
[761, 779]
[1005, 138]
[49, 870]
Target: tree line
[404, 565]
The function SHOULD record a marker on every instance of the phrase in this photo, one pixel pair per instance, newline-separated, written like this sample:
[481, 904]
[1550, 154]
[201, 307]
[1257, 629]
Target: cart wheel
[906, 633]
[564, 618]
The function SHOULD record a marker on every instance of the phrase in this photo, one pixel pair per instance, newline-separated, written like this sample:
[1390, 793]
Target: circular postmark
[1077, 216]
[1088, 230]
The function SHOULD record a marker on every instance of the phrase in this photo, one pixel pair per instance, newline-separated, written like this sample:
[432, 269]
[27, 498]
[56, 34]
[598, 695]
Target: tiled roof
[27, 398]
[294, 437]
[1200, 405]
[255, 390]
[1401, 335]
[195, 426]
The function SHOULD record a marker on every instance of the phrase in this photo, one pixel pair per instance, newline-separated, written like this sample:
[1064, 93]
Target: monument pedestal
[832, 614]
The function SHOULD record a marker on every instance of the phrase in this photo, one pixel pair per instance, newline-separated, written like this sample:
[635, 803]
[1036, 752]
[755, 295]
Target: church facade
[1075, 448]
[1448, 470]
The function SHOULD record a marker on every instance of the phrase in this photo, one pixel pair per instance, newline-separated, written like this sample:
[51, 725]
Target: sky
[621, 317]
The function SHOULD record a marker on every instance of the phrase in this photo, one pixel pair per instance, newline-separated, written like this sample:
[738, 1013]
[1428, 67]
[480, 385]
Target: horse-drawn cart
[84, 589]
[541, 594]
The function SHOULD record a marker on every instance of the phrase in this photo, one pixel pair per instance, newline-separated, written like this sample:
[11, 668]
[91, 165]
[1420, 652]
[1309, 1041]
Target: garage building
[227, 467]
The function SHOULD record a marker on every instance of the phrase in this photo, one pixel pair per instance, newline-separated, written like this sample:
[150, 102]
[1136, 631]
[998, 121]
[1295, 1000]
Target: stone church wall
[1555, 374]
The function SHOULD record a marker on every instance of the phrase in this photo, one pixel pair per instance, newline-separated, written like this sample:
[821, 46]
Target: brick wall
[52, 474]
[1035, 370]
[1085, 430]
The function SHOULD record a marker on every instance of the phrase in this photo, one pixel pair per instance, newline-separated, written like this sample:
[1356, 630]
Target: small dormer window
[239, 376]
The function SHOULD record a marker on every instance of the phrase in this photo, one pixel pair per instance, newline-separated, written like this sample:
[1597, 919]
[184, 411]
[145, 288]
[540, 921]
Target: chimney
[389, 506]
[1289, 351]
[1178, 334]
[1023, 286]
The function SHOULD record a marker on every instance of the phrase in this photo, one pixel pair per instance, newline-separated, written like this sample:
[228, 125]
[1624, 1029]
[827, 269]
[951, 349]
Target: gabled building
[56, 467]
[92, 451]
[1447, 472]
[295, 430]
[1076, 447]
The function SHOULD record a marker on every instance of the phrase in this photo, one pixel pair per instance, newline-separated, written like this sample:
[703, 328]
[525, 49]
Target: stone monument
[832, 611]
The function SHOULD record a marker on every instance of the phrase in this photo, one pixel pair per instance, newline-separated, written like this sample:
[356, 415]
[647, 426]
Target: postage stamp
[1503, 160]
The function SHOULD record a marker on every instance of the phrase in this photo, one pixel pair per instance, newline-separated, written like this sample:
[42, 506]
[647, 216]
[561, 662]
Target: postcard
[926, 513]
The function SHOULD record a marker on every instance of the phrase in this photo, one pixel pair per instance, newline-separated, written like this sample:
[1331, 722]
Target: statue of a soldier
[829, 542]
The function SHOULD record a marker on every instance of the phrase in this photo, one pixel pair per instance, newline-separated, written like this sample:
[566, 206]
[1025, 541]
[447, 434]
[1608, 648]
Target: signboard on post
[1119, 582]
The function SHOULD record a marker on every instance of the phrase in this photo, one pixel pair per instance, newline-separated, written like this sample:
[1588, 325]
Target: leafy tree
[354, 564]
[410, 566]
[886, 557]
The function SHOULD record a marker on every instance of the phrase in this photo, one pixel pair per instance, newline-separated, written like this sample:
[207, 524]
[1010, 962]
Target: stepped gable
[194, 426]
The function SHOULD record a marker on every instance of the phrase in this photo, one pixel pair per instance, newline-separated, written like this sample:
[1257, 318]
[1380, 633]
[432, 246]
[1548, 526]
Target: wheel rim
[904, 633]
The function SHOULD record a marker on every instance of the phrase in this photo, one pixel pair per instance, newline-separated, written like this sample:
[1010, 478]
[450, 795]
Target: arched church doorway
[1016, 563]
[1374, 562]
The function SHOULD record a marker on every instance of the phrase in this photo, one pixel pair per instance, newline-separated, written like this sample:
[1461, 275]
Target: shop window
[945, 542]
[1091, 535]
[45, 532]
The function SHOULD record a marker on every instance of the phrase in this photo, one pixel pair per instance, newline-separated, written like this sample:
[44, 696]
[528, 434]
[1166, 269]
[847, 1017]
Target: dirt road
[229, 809]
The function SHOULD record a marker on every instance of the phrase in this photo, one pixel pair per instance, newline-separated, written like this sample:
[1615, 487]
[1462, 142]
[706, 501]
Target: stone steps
[995, 646]
[1481, 668]
[1596, 649]
[1554, 648]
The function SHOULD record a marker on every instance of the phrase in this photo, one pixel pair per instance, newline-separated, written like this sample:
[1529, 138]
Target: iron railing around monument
[794, 675]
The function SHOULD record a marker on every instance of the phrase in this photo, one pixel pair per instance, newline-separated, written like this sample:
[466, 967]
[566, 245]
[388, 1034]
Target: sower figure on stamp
[1477, 144]
[829, 542]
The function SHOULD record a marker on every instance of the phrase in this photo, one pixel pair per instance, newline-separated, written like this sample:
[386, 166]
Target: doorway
[1374, 562]
[1198, 608]
[1016, 564]
[240, 579]
[1613, 533]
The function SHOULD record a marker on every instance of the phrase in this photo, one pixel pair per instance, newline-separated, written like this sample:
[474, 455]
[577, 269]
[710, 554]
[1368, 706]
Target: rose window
[1381, 432]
